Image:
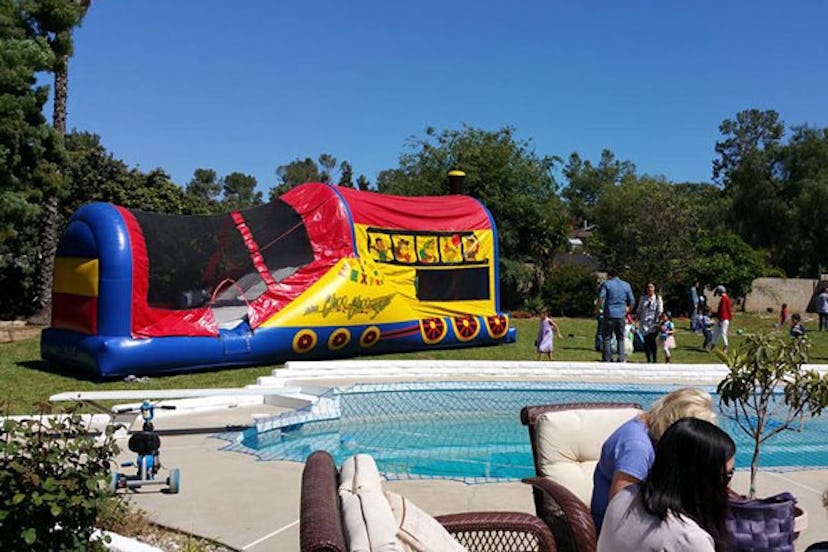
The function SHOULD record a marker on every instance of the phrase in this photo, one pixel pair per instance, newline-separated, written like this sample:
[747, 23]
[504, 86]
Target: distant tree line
[765, 211]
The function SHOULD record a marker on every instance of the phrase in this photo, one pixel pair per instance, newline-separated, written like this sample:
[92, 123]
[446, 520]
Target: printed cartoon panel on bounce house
[322, 272]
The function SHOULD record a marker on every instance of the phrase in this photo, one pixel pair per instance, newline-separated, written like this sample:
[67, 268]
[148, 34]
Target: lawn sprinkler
[146, 444]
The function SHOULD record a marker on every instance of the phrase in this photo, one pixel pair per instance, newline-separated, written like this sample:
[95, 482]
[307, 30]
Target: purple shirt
[628, 450]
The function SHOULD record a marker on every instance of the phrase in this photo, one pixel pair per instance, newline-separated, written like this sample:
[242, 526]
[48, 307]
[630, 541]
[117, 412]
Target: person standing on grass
[650, 307]
[666, 336]
[724, 315]
[783, 316]
[706, 324]
[822, 309]
[545, 342]
[615, 299]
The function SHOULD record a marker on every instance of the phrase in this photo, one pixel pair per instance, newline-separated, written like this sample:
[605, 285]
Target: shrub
[570, 291]
[517, 282]
[53, 478]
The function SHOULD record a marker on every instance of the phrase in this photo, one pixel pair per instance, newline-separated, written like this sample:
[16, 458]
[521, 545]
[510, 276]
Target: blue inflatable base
[118, 356]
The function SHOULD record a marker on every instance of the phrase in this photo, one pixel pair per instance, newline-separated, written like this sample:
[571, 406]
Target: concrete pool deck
[253, 505]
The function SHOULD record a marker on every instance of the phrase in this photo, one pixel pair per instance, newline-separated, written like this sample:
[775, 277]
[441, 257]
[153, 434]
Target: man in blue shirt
[616, 299]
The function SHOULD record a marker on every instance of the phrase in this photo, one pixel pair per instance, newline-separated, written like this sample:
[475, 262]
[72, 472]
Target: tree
[767, 390]
[346, 175]
[725, 258]
[775, 192]
[588, 183]
[806, 191]
[363, 184]
[504, 173]
[328, 164]
[239, 192]
[294, 173]
[94, 174]
[650, 226]
[751, 131]
[54, 21]
[204, 185]
[30, 157]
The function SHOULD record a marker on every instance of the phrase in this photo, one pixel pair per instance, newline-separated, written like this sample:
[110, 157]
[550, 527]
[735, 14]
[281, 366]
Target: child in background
[783, 316]
[666, 334]
[797, 329]
[545, 342]
[629, 335]
[706, 327]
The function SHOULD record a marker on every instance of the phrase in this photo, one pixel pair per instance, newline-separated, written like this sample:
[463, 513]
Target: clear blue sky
[249, 85]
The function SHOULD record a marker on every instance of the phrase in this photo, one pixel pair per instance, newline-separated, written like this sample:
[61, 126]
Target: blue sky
[250, 85]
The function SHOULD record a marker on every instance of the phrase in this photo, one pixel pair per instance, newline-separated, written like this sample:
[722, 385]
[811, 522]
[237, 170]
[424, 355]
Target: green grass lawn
[26, 380]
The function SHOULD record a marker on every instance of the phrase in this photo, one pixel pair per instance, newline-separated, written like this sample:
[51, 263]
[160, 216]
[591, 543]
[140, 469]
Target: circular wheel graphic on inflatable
[369, 337]
[466, 328]
[339, 339]
[304, 341]
[497, 326]
[433, 330]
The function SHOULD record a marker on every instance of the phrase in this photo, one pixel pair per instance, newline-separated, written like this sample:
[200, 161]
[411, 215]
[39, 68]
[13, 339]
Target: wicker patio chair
[321, 529]
[566, 445]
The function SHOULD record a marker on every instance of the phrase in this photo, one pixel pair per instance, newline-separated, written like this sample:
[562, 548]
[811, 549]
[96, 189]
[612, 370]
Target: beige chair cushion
[569, 444]
[367, 518]
[418, 531]
[359, 472]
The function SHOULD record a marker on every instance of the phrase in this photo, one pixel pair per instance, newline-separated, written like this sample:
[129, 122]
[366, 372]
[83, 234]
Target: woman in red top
[725, 315]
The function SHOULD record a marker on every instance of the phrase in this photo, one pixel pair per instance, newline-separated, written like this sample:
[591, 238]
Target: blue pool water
[471, 431]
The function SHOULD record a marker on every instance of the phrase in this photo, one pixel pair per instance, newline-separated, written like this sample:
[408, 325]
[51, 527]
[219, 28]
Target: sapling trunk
[754, 470]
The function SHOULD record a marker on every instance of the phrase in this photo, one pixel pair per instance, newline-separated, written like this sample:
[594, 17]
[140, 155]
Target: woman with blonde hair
[628, 452]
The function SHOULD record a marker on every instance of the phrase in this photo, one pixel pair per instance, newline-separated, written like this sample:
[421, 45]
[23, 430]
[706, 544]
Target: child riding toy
[146, 444]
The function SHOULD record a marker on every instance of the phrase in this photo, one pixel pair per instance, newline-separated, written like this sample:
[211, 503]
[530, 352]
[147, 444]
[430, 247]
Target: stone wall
[770, 293]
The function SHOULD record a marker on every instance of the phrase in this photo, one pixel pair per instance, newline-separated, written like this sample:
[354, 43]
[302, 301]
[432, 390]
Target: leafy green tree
[54, 21]
[328, 163]
[805, 252]
[726, 259]
[94, 174]
[294, 173]
[752, 131]
[775, 191]
[30, 157]
[588, 183]
[240, 192]
[650, 226]
[505, 174]
[346, 175]
[204, 185]
[362, 183]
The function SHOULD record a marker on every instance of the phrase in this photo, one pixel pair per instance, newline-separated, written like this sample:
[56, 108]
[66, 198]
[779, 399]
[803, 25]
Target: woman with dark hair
[682, 504]
[650, 307]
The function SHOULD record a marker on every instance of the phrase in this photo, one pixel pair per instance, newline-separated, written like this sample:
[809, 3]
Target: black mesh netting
[190, 255]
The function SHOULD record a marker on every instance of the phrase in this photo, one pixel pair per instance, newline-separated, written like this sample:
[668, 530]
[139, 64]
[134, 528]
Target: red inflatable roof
[454, 212]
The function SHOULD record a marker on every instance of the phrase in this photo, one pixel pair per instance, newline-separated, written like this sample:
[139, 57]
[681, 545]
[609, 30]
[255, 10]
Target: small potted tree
[767, 390]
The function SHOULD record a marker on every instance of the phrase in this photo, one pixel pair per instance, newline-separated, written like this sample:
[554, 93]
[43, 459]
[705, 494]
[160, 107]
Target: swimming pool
[471, 431]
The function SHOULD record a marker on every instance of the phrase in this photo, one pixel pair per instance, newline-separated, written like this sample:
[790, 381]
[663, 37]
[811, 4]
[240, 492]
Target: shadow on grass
[64, 371]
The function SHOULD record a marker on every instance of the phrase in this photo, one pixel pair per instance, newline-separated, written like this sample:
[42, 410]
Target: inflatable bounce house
[323, 272]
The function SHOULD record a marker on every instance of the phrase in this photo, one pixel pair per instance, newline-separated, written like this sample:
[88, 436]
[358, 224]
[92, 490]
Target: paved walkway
[253, 506]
